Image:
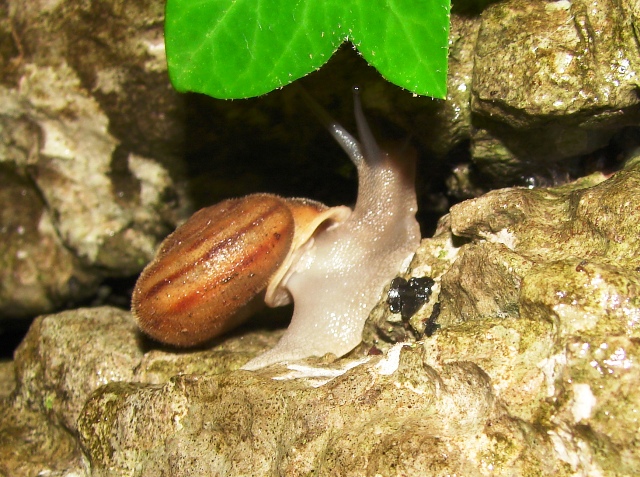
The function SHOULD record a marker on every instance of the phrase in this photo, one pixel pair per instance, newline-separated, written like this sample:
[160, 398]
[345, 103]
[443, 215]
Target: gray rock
[551, 81]
[65, 357]
[37, 271]
[95, 202]
[116, 49]
[71, 165]
[532, 370]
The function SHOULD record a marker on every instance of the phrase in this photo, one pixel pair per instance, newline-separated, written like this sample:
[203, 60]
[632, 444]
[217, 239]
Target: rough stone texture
[534, 367]
[365, 422]
[533, 370]
[555, 50]
[83, 196]
[30, 445]
[50, 382]
[31, 250]
[73, 169]
[551, 81]
[544, 298]
[486, 246]
[452, 124]
[117, 50]
[595, 309]
[111, 349]
[7, 378]
[535, 88]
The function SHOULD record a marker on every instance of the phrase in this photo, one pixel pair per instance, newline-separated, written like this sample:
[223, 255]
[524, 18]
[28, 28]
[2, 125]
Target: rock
[7, 378]
[597, 388]
[531, 370]
[549, 280]
[551, 81]
[595, 310]
[109, 347]
[103, 345]
[116, 50]
[37, 271]
[451, 124]
[553, 50]
[504, 235]
[89, 134]
[589, 219]
[31, 445]
[368, 418]
[73, 171]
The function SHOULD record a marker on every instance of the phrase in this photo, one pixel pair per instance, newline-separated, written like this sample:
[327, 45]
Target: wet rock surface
[541, 280]
[531, 369]
[522, 361]
[547, 79]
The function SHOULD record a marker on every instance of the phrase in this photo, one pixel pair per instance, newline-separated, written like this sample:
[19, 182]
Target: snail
[333, 263]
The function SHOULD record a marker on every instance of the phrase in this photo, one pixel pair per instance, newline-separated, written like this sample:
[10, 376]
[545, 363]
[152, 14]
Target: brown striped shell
[210, 274]
[334, 263]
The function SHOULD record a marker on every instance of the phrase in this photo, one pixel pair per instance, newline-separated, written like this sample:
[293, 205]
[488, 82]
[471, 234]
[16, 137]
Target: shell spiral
[207, 274]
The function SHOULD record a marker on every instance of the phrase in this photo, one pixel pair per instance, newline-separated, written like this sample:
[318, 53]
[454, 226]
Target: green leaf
[244, 48]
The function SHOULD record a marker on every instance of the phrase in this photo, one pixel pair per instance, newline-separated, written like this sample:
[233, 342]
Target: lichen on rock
[542, 294]
[562, 60]
[532, 369]
[524, 360]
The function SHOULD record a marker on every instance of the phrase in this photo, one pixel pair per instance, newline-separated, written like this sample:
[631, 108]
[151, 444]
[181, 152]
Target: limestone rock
[374, 419]
[37, 272]
[116, 49]
[7, 378]
[546, 278]
[31, 445]
[531, 370]
[529, 52]
[95, 201]
[65, 357]
[551, 81]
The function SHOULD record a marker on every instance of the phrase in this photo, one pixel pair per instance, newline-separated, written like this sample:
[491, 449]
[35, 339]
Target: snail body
[332, 262]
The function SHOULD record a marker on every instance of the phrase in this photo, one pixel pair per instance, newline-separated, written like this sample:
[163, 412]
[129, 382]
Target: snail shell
[213, 271]
[208, 276]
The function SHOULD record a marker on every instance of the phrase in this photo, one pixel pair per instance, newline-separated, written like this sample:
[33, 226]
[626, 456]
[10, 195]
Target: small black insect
[406, 297]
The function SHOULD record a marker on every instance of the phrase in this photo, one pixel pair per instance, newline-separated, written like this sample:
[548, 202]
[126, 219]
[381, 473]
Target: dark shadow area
[12, 333]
